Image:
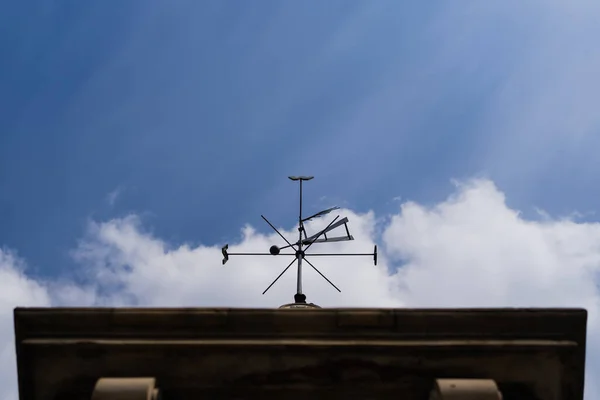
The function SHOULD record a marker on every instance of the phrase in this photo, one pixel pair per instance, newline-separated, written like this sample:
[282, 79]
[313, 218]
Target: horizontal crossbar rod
[338, 254]
[260, 254]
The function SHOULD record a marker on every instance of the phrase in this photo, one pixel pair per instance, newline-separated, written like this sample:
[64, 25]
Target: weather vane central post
[304, 240]
[299, 297]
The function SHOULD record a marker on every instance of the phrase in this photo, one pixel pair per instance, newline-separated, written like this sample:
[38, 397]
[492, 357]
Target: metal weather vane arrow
[300, 254]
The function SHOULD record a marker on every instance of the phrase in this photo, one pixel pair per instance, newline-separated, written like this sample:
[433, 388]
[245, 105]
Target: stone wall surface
[316, 353]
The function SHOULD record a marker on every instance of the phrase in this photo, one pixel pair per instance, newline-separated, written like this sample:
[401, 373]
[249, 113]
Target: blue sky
[130, 128]
[195, 112]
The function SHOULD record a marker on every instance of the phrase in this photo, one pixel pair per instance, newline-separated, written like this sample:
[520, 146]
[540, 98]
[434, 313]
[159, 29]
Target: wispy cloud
[111, 198]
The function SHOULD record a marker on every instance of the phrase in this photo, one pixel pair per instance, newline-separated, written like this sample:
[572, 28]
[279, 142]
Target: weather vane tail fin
[225, 255]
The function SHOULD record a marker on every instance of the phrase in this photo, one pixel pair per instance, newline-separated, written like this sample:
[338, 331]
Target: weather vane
[300, 255]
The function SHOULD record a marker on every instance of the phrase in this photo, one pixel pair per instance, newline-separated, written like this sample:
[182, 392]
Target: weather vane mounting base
[299, 298]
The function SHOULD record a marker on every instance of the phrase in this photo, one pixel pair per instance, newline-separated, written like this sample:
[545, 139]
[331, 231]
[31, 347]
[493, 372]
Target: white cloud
[469, 250]
[112, 197]
[15, 289]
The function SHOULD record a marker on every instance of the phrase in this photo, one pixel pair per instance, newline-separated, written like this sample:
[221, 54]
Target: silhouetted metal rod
[339, 254]
[260, 254]
[285, 247]
[280, 275]
[374, 254]
[321, 233]
[279, 233]
[292, 254]
[326, 240]
[330, 227]
[324, 277]
[320, 213]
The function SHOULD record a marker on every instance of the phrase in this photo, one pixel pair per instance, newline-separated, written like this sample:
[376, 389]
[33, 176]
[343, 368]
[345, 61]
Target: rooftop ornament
[304, 242]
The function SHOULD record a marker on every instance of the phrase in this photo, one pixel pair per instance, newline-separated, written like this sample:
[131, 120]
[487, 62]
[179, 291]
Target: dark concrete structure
[300, 354]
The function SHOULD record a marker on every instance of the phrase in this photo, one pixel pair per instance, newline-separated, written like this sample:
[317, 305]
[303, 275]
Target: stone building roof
[313, 353]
